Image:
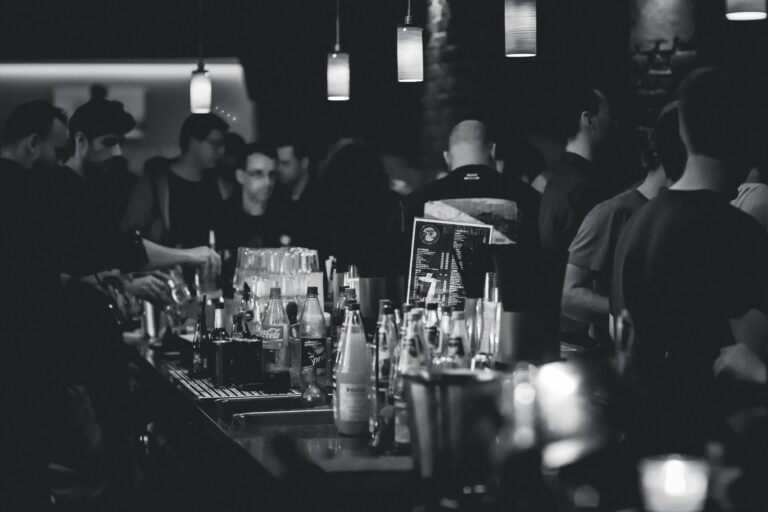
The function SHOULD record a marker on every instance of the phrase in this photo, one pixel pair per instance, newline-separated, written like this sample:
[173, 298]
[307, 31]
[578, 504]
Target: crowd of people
[680, 257]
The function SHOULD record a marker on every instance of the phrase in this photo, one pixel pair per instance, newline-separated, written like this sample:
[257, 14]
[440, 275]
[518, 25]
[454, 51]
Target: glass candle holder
[673, 483]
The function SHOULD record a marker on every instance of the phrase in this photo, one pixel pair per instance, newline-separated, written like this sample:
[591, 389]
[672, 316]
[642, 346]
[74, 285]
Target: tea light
[673, 483]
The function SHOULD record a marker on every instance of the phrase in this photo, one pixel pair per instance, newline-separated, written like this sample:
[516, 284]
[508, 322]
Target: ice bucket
[454, 419]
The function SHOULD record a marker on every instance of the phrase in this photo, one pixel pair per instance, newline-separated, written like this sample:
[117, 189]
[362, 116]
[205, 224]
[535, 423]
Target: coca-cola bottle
[353, 376]
[274, 335]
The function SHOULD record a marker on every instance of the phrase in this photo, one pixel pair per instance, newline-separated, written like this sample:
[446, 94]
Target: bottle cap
[274, 293]
[432, 306]
[446, 309]
[311, 291]
[389, 310]
[354, 306]
[342, 287]
[220, 303]
[407, 308]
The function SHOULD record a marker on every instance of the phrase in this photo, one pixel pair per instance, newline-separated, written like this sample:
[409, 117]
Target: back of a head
[573, 101]
[667, 145]
[717, 117]
[469, 134]
[199, 126]
[31, 118]
[99, 117]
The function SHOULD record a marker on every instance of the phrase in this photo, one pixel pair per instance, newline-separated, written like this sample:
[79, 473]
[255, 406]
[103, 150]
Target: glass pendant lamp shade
[520, 28]
[745, 10]
[410, 53]
[200, 91]
[338, 76]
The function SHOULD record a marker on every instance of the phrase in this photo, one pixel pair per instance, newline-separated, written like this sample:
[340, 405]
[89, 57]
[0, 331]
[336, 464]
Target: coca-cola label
[313, 354]
[274, 336]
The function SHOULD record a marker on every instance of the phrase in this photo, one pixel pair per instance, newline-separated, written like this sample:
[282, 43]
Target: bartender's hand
[205, 256]
[148, 287]
[741, 362]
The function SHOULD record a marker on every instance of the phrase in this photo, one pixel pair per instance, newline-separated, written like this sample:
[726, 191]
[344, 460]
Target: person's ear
[493, 151]
[81, 142]
[304, 163]
[32, 144]
[586, 122]
[447, 158]
[240, 176]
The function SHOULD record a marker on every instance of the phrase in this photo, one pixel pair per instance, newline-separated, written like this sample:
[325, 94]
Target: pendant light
[745, 10]
[337, 71]
[410, 50]
[520, 28]
[200, 87]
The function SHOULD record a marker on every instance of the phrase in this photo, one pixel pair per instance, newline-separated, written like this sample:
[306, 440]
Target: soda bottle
[274, 335]
[432, 327]
[312, 335]
[353, 375]
[410, 358]
[458, 343]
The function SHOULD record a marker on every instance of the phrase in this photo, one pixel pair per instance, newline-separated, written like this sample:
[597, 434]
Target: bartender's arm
[159, 256]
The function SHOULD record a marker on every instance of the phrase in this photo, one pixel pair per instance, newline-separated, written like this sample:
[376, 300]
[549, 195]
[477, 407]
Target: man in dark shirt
[178, 202]
[296, 190]
[474, 190]
[590, 261]
[578, 184]
[34, 137]
[691, 271]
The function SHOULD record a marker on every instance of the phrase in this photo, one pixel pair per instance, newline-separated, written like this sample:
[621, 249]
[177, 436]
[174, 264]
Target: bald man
[475, 190]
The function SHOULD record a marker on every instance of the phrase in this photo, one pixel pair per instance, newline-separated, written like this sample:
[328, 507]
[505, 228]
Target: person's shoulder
[157, 165]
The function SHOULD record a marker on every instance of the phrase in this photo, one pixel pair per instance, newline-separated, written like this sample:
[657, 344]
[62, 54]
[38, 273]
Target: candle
[674, 483]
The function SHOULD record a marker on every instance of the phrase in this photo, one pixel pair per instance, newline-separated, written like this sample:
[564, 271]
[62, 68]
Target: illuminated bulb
[520, 28]
[745, 10]
[337, 75]
[674, 477]
[410, 54]
[200, 91]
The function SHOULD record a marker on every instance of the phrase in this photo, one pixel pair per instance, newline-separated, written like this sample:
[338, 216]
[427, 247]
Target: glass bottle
[274, 334]
[353, 375]
[312, 335]
[432, 327]
[200, 346]
[221, 359]
[313, 395]
[410, 358]
[458, 343]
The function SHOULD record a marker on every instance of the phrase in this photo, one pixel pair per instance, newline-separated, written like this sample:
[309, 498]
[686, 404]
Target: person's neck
[705, 173]
[253, 208]
[299, 185]
[654, 181]
[76, 164]
[464, 161]
[185, 167]
[582, 146]
[14, 155]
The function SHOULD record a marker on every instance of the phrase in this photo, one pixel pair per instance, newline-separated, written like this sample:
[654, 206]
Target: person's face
[101, 148]
[51, 150]
[209, 150]
[602, 121]
[289, 167]
[258, 177]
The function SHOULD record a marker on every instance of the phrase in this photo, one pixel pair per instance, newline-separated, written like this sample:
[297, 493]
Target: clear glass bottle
[353, 377]
[458, 343]
[312, 335]
[432, 327]
[410, 358]
[274, 334]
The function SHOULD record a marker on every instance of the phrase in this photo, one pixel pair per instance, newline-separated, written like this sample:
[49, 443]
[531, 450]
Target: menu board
[432, 272]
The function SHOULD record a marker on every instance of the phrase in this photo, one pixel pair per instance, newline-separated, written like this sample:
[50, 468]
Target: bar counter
[252, 451]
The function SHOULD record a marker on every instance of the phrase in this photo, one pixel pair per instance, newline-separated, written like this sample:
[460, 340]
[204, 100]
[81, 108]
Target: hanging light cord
[337, 46]
[408, 19]
[200, 33]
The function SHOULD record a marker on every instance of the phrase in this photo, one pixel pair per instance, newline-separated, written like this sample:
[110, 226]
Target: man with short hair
[690, 269]
[178, 202]
[34, 139]
[473, 186]
[578, 184]
[296, 190]
[588, 274]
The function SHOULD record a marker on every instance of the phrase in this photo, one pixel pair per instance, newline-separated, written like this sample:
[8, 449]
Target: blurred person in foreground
[690, 270]
[587, 285]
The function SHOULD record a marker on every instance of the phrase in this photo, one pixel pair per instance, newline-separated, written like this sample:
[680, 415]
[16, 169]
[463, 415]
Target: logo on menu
[429, 235]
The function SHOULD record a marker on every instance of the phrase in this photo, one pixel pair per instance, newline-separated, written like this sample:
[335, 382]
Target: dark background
[283, 45]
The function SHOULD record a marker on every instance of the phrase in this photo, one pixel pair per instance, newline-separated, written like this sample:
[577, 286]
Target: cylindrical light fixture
[337, 69]
[200, 87]
[200, 91]
[338, 76]
[745, 10]
[520, 28]
[410, 50]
